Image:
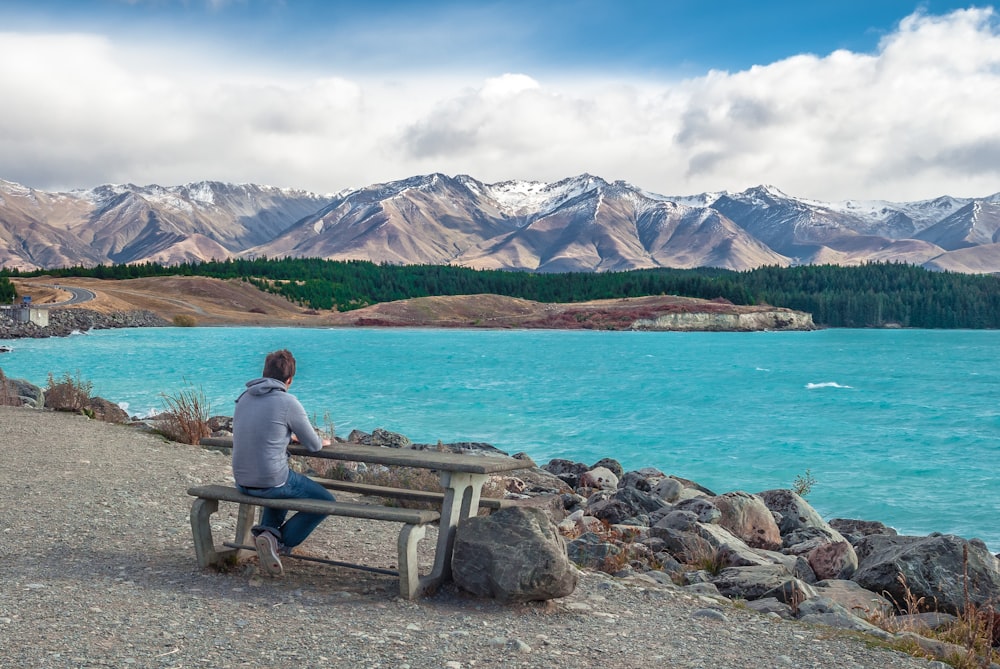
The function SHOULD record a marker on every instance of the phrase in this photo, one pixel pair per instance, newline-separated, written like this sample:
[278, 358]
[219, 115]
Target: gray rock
[513, 555]
[833, 560]
[855, 530]
[856, 599]
[600, 478]
[920, 622]
[771, 605]
[668, 489]
[611, 465]
[20, 390]
[796, 565]
[540, 482]
[701, 507]
[930, 567]
[590, 551]
[711, 614]
[796, 514]
[221, 424]
[747, 517]
[107, 411]
[642, 479]
[730, 549]
[567, 470]
[844, 620]
[677, 519]
[388, 439]
[792, 592]
[753, 582]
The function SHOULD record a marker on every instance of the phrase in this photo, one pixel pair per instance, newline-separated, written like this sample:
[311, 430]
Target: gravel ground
[97, 569]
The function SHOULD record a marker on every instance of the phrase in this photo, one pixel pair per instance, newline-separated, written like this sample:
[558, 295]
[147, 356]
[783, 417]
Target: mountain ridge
[578, 224]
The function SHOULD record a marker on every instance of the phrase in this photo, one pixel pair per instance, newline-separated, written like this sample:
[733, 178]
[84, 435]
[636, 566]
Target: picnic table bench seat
[207, 502]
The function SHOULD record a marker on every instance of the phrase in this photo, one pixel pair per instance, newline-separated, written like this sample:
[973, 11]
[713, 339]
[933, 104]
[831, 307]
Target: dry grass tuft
[186, 419]
[184, 321]
[975, 634]
[68, 394]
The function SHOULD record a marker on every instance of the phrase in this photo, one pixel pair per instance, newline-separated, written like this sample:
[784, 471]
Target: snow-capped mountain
[582, 223]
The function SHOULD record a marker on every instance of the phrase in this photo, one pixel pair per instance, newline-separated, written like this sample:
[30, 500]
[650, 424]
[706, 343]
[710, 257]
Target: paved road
[78, 296]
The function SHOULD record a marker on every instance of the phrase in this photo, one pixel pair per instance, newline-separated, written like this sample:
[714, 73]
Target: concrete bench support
[207, 502]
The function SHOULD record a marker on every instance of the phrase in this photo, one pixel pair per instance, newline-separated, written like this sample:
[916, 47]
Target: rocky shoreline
[770, 551]
[99, 570]
[63, 322]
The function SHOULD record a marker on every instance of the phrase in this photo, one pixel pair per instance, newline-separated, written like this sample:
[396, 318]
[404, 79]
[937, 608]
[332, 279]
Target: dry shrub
[68, 394]
[186, 418]
[184, 321]
[700, 555]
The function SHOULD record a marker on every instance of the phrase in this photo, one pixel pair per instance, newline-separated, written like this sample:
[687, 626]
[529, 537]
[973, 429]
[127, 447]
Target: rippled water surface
[895, 425]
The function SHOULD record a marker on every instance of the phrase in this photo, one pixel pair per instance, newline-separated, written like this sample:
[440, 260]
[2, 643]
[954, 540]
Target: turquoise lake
[901, 426]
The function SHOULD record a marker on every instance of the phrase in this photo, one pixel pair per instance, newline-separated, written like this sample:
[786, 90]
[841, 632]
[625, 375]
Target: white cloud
[914, 120]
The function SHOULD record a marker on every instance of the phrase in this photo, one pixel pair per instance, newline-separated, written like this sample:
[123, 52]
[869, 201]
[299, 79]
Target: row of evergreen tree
[871, 295]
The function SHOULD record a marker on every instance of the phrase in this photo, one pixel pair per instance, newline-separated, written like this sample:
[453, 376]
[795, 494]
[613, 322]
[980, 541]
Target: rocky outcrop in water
[755, 321]
[63, 322]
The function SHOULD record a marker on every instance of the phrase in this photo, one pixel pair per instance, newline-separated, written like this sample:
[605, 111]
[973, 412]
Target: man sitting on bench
[265, 420]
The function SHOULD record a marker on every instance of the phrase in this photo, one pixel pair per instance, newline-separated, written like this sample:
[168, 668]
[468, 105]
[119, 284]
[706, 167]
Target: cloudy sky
[827, 99]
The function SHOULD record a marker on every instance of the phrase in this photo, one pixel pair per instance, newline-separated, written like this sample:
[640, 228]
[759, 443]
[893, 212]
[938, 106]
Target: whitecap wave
[825, 384]
[77, 332]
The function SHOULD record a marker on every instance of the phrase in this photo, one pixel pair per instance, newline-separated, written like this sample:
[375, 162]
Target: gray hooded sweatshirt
[264, 420]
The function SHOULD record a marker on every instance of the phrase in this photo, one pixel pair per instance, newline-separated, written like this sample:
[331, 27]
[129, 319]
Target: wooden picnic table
[461, 475]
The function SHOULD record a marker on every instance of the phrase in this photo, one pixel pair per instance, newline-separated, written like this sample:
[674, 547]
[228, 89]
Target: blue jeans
[293, 531]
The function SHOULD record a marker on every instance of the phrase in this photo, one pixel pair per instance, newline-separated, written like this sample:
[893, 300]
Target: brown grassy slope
[233, 302]
[208, 301]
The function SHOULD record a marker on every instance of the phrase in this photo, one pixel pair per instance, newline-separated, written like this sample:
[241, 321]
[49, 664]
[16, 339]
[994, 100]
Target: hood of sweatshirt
[263, 386]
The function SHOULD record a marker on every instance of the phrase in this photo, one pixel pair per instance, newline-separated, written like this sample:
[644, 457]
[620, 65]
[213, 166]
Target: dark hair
[279, 365]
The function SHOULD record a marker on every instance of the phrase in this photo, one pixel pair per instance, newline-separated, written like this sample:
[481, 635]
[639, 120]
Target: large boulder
[703, 508]
[387, 439]
[644, 479]
[747, 517]
[833, 560]
[567, 470]
[624, 504]
[805, 533]
[859, 601]
[513, 555]
[933, 568]
[856, 530]
[760, 581]
[538, 481]
[795, 513]
[109, 412]
[668, 489]
[611, 465]
[600, 478]
[18, 392]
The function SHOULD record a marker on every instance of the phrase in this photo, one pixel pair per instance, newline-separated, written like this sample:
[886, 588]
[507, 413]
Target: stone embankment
[63, 322]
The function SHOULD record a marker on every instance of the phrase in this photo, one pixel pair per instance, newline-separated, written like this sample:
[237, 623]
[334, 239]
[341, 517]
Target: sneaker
[267, 553]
